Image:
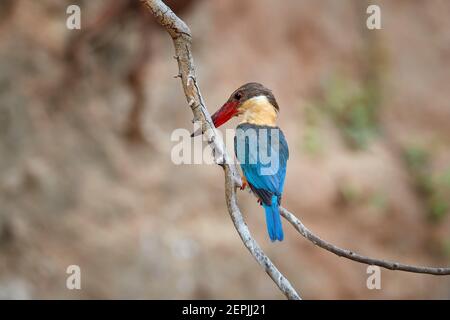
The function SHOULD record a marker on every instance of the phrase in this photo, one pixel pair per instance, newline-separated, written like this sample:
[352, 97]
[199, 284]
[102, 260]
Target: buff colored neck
[259, 111]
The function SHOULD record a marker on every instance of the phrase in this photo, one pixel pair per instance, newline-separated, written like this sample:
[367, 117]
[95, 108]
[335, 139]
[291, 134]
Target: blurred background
[86, 176]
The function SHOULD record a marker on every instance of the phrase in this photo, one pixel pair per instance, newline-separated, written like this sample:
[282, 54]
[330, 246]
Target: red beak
[225, 113]
[221, 116]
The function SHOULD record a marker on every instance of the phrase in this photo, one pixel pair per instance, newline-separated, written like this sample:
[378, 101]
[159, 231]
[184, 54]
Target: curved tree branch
[391, 265]
[181, 36]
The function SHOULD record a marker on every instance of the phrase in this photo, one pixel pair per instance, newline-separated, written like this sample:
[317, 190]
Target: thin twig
[181, 36]
[391, 265]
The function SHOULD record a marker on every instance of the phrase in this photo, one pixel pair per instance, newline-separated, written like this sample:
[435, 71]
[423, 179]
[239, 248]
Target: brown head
[239, 100]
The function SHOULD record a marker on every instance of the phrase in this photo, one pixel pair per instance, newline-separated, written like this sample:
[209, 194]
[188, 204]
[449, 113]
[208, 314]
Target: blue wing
[263, 153]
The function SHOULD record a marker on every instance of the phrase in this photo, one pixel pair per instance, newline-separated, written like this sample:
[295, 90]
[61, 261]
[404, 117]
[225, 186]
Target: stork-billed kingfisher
[260, 148]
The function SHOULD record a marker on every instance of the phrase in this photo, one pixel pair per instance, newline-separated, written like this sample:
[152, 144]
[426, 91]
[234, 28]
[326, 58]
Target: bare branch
[391, 265]
[181, 36]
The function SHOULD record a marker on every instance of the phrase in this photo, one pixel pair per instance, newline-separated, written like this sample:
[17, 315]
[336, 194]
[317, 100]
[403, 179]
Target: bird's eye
[238, 96]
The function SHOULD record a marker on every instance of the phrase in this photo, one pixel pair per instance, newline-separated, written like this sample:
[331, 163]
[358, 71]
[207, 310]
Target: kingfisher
[260, 147]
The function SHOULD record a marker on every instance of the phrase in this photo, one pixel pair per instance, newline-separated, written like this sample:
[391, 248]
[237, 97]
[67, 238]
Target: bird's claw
[243, 185]
[259, 201]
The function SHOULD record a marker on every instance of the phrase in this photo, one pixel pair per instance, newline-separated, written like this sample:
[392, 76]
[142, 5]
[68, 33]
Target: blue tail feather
[273, 221]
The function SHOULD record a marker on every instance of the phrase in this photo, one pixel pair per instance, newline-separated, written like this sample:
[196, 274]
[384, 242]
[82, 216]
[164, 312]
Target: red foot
[244, 184]
[259, 201]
